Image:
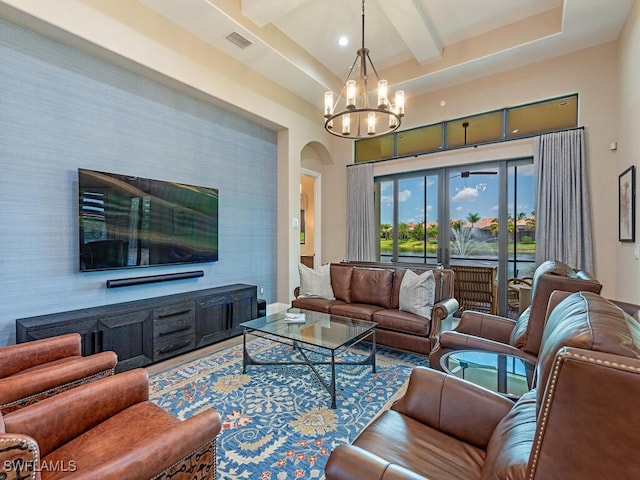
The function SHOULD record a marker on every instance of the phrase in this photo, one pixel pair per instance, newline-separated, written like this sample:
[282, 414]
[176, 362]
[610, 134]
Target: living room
[125, 66]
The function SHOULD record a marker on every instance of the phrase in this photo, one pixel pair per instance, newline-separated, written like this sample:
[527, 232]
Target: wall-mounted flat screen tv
[129, 221]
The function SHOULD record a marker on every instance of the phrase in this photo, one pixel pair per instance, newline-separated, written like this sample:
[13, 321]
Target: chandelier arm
[344, 84]
[373, 67]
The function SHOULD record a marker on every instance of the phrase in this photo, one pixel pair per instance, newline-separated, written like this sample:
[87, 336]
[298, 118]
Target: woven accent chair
[513, 292]
[107, 430]
[475, 288]
[33, 371]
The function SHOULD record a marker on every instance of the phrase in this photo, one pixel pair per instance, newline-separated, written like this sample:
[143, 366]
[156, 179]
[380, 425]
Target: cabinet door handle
[174, 347]
[181, 329]
[174, 314]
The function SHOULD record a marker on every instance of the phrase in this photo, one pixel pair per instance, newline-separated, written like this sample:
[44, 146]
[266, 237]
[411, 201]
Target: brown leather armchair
[480, 331]
[32, 371]
[579, 424]
[107, 430]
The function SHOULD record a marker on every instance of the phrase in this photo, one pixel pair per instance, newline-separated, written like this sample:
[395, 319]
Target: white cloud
[386, 199]
[404, 195]
[467, 194]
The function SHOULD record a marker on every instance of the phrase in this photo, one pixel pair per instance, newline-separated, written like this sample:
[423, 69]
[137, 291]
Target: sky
[474, 194]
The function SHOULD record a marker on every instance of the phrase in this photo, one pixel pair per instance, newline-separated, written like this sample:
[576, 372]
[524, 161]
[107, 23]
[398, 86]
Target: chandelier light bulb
[382, 94]
[400, 102]
[371, 123]
[328, 104]
[351, 93]
[393, 121]
[346, 124]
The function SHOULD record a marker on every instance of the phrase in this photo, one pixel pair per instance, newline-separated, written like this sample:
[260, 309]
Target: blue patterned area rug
[277, 420]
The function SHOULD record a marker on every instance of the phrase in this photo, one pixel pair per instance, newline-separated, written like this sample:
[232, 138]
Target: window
[509, 123]
[471, 215]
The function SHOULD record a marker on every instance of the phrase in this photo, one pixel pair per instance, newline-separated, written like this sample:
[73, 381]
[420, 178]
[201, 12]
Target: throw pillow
[315, 283]
[417, 293]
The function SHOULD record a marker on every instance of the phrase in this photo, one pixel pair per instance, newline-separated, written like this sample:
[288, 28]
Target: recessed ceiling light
[343, 41]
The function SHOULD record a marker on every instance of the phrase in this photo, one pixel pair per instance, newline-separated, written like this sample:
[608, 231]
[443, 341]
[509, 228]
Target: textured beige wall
[626, 266]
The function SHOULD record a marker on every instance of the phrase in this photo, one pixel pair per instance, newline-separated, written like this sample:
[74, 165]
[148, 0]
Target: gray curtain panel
[563, 206]
[361, 229]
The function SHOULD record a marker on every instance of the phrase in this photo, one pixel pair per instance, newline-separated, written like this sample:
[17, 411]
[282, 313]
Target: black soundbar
[127, 282]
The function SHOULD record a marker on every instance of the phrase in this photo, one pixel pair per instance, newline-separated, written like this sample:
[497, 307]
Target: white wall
[627, 267]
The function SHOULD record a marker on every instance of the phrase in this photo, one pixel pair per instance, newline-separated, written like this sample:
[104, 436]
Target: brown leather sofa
[480, 331]
[32, 371]
[107, 430]
[371, 291]
[581, 423]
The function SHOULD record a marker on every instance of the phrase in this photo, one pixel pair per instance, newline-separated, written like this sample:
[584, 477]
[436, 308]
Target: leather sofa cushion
[420, 448]
[354, 310]
[314, 303]
[402, 322]
[341, 281]
[372, 286]
[510, 445]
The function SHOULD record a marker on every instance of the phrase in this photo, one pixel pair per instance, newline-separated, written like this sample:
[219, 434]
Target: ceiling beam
[413, 25]
[262, 12]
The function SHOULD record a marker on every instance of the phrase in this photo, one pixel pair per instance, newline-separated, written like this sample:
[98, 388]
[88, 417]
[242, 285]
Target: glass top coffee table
[321, 332]
[508, 375]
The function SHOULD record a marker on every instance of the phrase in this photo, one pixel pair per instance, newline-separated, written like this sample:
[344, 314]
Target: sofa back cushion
[373, 286]
[341, 281]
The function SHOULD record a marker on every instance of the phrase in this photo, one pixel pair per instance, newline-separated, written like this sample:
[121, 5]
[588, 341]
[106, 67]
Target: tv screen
[138, 222]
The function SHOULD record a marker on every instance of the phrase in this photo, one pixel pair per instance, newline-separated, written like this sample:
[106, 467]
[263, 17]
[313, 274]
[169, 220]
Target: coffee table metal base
[330, 385]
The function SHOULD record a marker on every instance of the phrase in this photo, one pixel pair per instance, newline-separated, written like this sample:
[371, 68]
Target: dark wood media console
[146, 331]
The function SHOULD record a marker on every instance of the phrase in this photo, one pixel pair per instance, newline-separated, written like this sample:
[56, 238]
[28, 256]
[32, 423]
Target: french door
[479, 214]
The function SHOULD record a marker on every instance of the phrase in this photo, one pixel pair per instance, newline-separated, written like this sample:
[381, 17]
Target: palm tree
[472, 218]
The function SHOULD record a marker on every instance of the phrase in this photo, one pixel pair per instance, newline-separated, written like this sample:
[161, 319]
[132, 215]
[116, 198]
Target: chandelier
[351, 116]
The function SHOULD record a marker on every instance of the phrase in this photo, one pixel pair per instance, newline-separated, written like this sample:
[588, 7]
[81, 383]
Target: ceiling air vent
[238, 40]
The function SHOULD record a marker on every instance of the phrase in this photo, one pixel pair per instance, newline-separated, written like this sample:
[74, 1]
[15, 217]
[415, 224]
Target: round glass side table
[509, 375]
